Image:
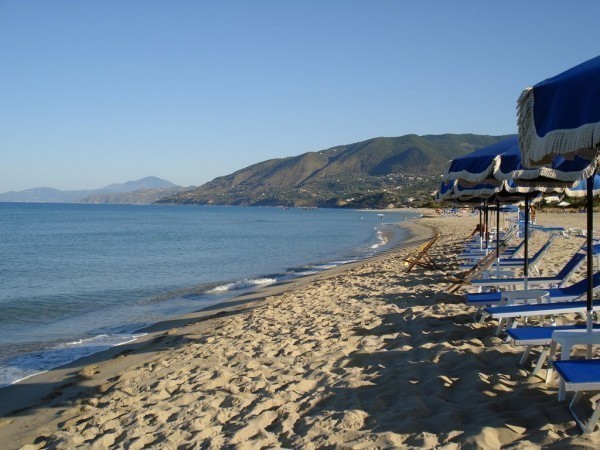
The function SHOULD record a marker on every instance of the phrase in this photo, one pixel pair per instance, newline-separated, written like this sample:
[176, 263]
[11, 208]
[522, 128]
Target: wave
[381, 240]
[19, 368]
[242, 284]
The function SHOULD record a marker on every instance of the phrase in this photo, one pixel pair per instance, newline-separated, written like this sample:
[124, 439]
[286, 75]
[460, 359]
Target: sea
[76, 279]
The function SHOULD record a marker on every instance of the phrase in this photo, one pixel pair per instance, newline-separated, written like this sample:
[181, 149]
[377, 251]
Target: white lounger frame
[568, 339]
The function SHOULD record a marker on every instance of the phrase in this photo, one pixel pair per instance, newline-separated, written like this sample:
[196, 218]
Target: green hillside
[379, 172]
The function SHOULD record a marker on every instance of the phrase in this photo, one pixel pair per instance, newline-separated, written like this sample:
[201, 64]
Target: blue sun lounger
[561, 277]
[539, 336]
[519, 262]
[509, 313]
[561, 302]
[492, 298]
[487, 300]
[580, 375]
[477, 253]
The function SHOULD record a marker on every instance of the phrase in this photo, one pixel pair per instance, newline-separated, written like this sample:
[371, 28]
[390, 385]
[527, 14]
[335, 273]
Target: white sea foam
[109, 340]
[325, 266]
[242, 284]
[381, 240]
[28, 365]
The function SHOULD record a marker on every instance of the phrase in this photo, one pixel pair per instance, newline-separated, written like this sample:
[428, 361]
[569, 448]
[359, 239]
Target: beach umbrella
[503, 162]
[560, 116]
[580, 189]
[489, 191]
[559, 119]
[478, 165]
[489, 172]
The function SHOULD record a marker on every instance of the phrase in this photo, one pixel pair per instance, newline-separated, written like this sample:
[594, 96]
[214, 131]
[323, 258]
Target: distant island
[378, 173]
[143, 191]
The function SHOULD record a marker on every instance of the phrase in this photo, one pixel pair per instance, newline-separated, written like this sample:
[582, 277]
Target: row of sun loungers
[551, 297]
[514, 263]
[512, 282]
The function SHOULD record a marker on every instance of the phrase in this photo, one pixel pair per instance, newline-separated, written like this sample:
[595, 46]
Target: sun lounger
[475, 250]
[561, 302]
[482, 264]
[541, 309]
[577, 375]
[421, 257]
[464, 278]
[486, 299]
[520, 262]
[474, 254]
[561, 277]
[482, 300]
[539, 336]
[580, 375]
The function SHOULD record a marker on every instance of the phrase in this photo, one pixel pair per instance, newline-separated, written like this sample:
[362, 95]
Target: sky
[100, 92]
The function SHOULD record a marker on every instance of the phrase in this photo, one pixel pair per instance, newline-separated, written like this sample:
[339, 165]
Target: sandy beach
[363, 356]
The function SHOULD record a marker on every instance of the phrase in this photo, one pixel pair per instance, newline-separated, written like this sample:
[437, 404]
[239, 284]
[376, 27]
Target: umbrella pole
[526, 250]
[498, 235]
[590, 254]
[480, 230]
[487, 228]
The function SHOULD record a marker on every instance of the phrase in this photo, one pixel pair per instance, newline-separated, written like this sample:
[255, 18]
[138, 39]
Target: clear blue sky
[97, 92]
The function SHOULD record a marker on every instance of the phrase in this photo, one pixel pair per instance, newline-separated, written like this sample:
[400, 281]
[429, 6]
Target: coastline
[361, 356]
[159, 282]
[32, 396]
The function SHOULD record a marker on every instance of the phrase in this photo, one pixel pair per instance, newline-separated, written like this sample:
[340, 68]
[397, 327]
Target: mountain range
[144, 190]
[378, 172]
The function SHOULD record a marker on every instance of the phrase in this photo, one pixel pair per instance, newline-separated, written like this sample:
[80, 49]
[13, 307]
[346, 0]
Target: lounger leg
[540, 361]
[551, 359]
[525, 355]
[562, 395]
[593, 420]
[500, 327]
[549, 373]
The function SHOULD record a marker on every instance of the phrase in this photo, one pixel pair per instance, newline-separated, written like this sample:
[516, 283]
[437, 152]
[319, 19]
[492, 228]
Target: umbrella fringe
[469, 176]
[582, 141]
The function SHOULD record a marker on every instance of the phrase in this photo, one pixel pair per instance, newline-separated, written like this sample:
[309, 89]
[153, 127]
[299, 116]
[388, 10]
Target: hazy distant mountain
[50, 195]
[143, 183]
[138, 197]
[41, 195]
[375, 172]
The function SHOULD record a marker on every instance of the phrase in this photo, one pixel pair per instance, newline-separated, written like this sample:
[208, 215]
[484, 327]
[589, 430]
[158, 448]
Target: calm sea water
[77, 279]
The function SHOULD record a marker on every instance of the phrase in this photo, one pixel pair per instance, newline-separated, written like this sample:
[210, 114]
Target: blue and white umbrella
[503, 161]
[581, 188]
[559, 121]
[560, 116]
[478, 165]
[486, 174]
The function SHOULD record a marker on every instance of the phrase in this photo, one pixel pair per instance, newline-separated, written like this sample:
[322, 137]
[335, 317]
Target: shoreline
[65, 382]
[362, 356]
[204, 295]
